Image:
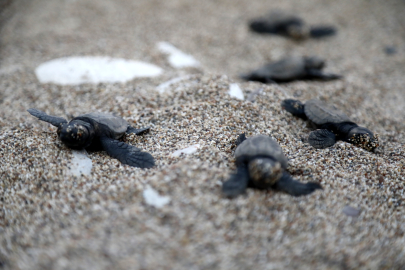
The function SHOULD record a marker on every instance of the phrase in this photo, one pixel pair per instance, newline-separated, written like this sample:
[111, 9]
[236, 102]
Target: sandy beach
[173, 216]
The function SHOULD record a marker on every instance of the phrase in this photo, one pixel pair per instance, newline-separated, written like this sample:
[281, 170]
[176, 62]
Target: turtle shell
[285, 69]
[103, 122]
[319, 113]
[261, 145]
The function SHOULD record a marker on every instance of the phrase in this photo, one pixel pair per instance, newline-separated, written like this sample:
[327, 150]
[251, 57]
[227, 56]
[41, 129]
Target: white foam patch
[153, 198]
[177, 58]
[163, 86]
[187, 151]
[235, 91]
[80, 164]
[89, 69]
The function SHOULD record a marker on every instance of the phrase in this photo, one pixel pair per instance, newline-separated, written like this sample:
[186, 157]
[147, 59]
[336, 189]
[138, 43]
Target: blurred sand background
[50, 219]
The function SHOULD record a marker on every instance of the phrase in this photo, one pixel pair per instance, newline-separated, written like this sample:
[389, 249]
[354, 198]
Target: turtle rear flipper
[53, 120]
[127, 154]
[293, 187]
[295, 107]
[137, 131]
[319, 75]
[237, 183]
[322, 31]
[256, 76]
[252, 77]
[321, 138]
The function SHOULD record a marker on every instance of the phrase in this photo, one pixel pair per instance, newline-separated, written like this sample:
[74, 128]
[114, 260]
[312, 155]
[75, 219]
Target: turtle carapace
[290, 69]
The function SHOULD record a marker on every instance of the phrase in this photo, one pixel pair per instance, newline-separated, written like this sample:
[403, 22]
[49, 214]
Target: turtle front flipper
[293, 187]
[137, 131]
[237, 183]
[53, 120]
[319, 75]
[240, 139]
[321, 138]
[295, 107]
[126, 153]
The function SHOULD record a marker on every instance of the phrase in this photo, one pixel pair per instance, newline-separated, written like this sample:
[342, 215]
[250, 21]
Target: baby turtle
[288, 25]
[99, 131]
[291, 68]
[332, 124]
[261, 164]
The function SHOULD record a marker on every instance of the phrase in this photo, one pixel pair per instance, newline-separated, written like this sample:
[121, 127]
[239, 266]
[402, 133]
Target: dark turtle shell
[104, 122]
[275, 22]
[261, 145]
[319, 113]
[284, 69]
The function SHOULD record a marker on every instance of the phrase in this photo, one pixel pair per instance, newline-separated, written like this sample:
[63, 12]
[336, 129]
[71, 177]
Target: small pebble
[187, 151]
[235, 91]
[390, 50]
[153, 198]
[351, 211]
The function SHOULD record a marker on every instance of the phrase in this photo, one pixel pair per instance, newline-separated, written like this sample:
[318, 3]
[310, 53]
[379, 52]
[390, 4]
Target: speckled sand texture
[114, 219]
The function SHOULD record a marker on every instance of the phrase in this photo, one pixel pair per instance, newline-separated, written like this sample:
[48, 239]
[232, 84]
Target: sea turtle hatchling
[290, 69]
[332, 124]
[99, 131]
[288, 25]
[261, 164]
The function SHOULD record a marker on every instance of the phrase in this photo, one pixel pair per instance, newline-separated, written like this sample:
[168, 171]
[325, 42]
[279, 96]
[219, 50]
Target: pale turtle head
[314, 62]
[77, 134]
[264, 172]
[298, 31]
[364, 138]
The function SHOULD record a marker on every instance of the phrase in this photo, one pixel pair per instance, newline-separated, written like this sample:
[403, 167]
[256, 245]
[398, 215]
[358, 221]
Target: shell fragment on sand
[189, 150]
[177, 58]
[81, 164]
[235, 91]
[153, 198]
[89, 69]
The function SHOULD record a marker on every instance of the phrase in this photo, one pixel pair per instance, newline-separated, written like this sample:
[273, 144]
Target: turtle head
[313, 62]
[265, 172]
[364, 138]
[298, 31]
[76, 134]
